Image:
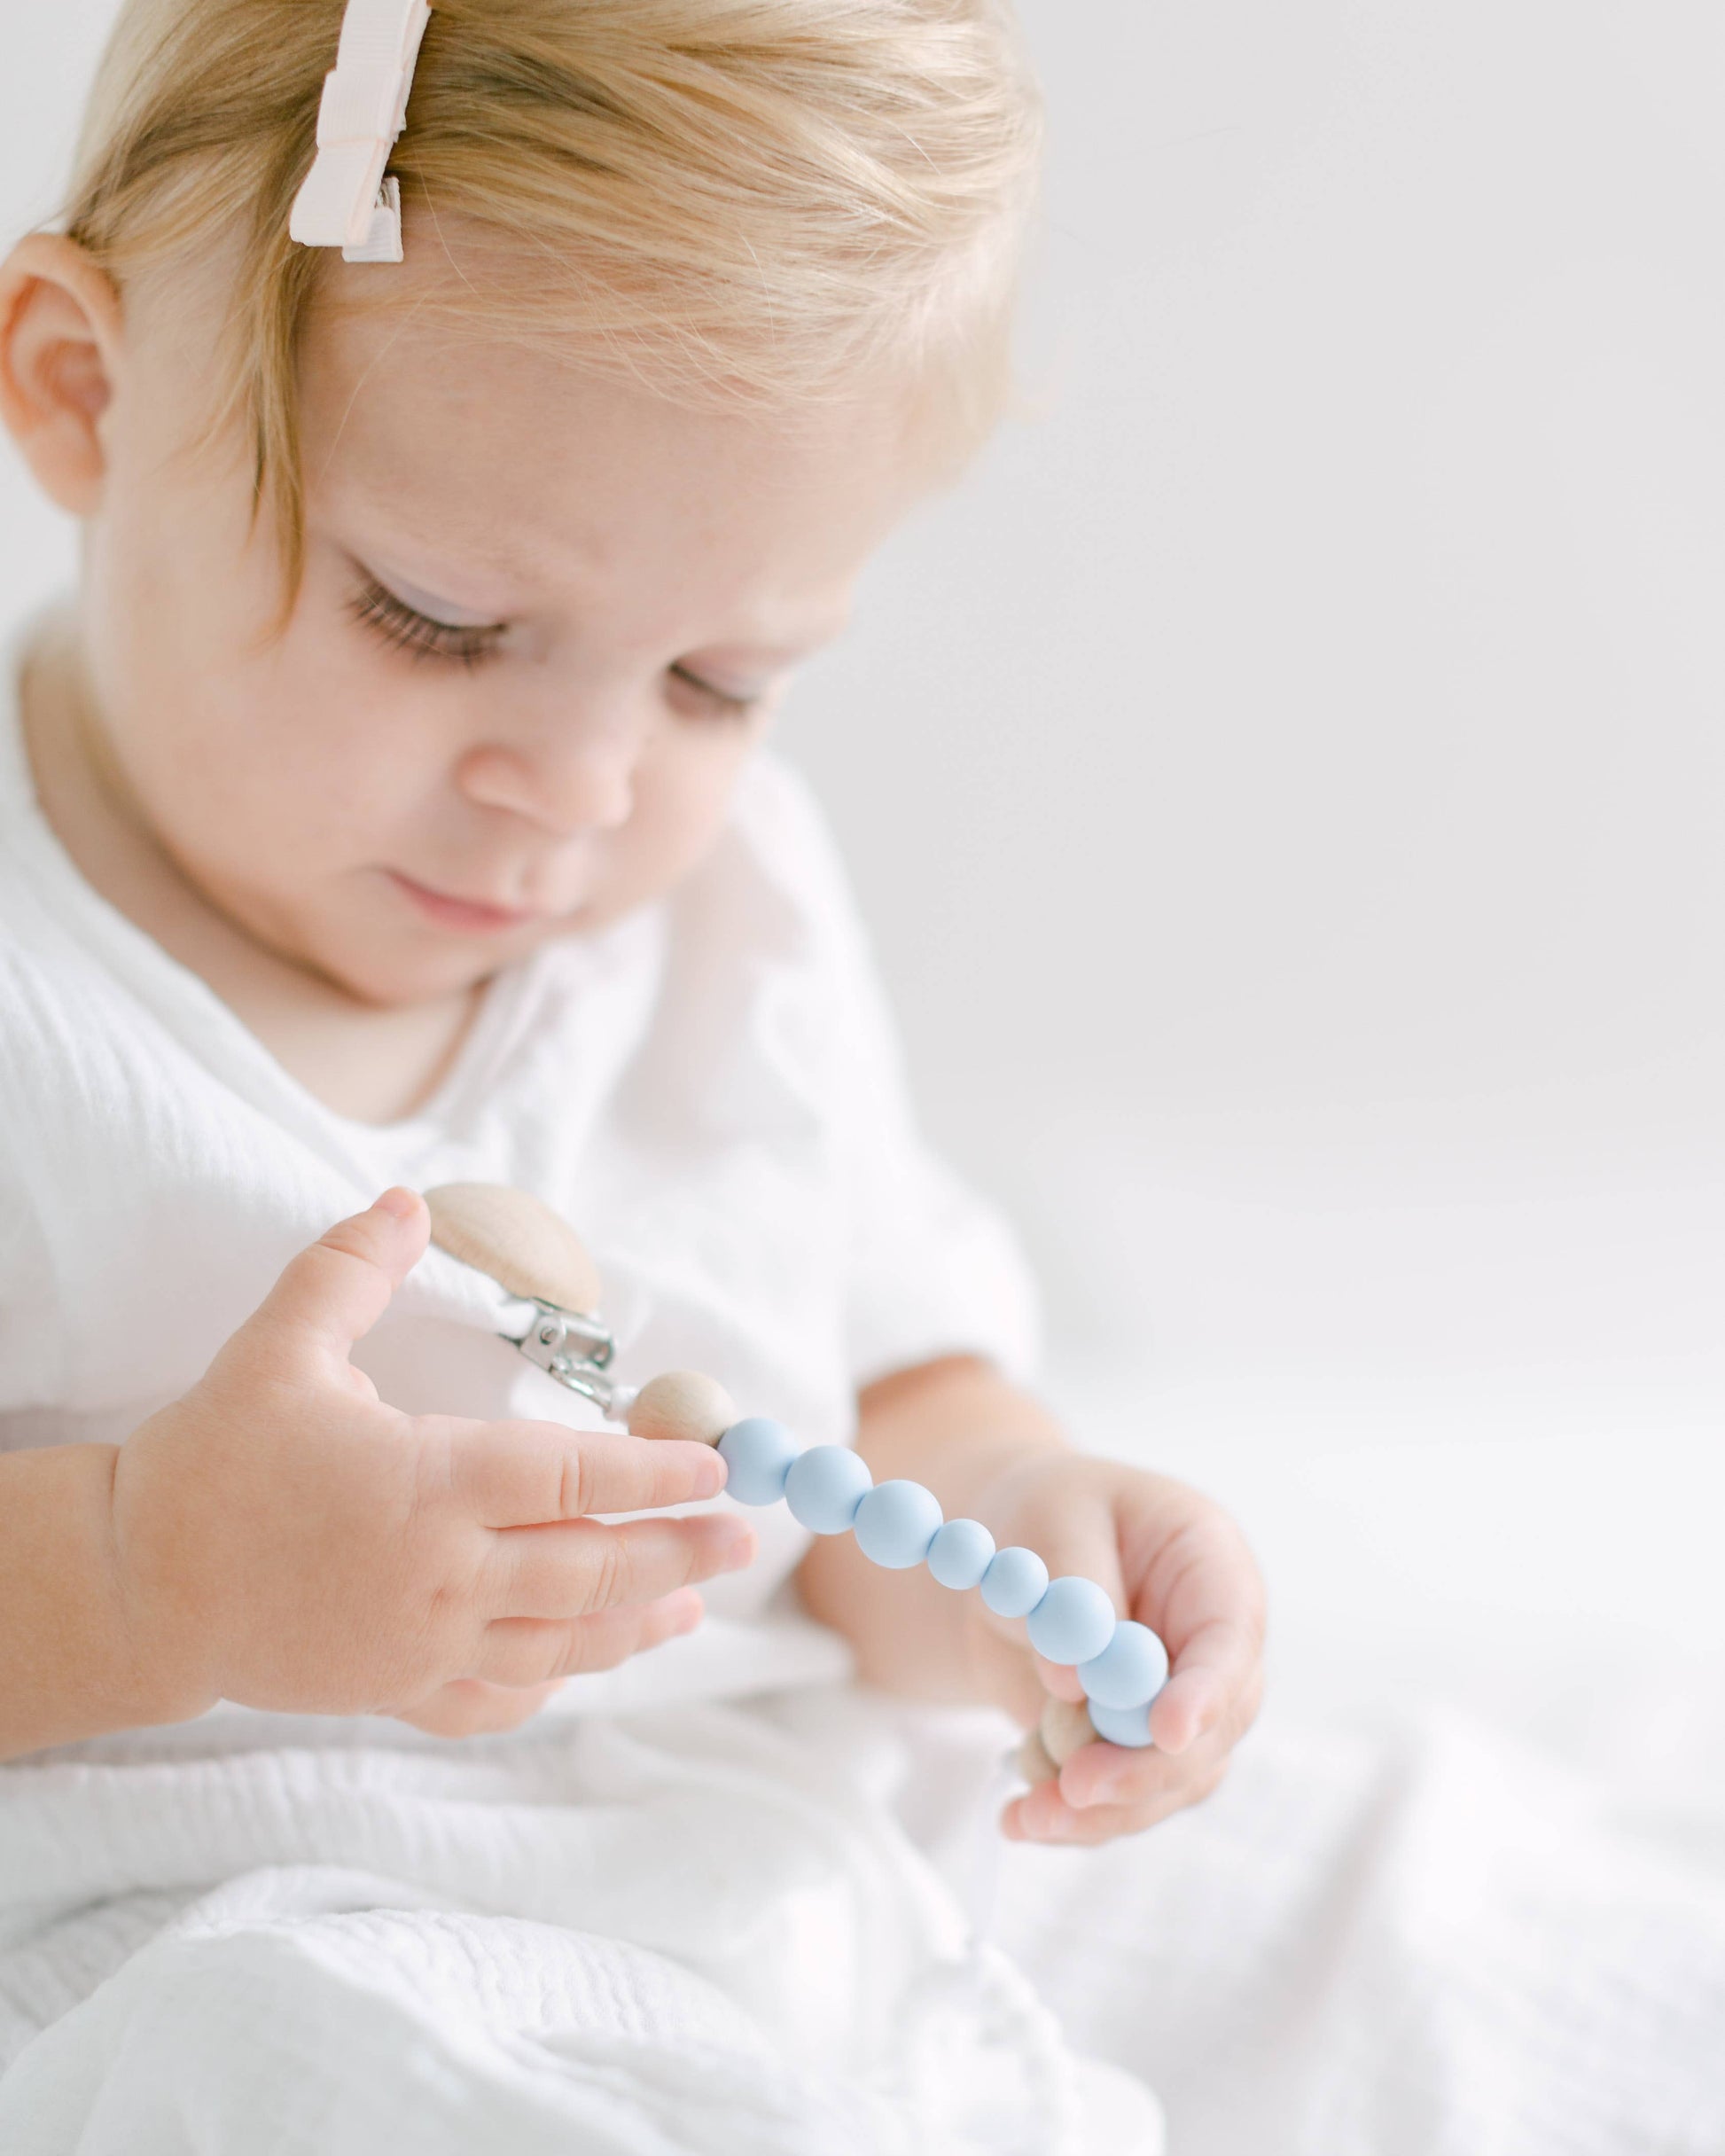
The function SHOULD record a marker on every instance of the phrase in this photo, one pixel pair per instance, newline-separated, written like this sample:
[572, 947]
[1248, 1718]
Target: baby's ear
[60, 341]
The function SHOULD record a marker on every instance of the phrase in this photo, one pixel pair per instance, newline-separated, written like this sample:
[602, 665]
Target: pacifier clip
[536, 1256]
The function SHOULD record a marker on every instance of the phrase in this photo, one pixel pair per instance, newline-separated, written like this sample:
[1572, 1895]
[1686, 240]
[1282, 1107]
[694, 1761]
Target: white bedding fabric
[698, 1931]
[650, 1933]
[1420, 1940]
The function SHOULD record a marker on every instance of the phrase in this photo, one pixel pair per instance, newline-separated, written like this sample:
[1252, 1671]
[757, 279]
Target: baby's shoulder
[93, 1093]
[63, 1026]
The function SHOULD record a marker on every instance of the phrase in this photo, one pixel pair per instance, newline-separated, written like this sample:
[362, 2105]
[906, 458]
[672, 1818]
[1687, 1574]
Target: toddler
[390, 807]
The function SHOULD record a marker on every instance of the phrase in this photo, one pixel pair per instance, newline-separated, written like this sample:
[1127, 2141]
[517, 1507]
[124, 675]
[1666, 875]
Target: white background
[1286, 783]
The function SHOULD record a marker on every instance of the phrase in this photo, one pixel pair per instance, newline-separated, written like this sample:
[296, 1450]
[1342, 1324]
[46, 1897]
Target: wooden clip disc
[518, 1241]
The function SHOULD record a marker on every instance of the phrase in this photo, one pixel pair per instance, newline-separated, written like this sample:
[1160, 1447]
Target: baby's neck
[374, 1064]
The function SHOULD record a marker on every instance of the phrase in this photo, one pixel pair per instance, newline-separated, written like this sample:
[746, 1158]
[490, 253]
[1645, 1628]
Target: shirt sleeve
[933, 1268]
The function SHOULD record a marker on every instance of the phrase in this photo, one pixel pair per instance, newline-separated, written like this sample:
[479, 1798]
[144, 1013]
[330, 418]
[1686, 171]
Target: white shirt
[710, 1091]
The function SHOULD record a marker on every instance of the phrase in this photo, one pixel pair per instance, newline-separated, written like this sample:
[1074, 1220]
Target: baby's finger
[517, 1474]
[1148, 1788]
[578, 1566]
[1061, 1826]
[332, 1294]
[1196, 1697]
[523, 1652]
[467, 1707]
[1114, 1774]
[1215, 1673]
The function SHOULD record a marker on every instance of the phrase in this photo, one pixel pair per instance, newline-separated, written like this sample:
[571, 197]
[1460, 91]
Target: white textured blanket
[1428, 1940]
[694, 1930]
[707, 1931]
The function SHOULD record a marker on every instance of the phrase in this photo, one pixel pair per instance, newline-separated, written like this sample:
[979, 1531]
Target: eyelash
[726, 707]
[417, 634]
[421, 638]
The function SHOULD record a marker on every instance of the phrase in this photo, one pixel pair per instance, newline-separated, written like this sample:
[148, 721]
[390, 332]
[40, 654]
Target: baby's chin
[393, 973]
[379, 958]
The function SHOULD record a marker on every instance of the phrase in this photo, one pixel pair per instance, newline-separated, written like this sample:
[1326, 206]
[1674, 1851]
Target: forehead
[545, 474]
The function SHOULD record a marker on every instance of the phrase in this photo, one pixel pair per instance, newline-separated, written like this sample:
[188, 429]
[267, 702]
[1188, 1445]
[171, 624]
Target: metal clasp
[576, 1350]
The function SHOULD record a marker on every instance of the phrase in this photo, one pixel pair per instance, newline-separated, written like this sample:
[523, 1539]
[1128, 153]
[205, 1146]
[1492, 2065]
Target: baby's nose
[574, 784]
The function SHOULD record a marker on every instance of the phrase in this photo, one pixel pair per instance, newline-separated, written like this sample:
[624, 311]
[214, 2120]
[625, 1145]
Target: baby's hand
[284, 1539]
[1177, 1563]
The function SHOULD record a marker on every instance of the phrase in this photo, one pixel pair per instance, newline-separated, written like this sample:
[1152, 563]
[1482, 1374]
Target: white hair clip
[346, 201]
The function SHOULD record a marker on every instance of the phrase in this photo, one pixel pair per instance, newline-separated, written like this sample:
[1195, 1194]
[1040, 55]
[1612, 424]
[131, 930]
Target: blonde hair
[769, 199]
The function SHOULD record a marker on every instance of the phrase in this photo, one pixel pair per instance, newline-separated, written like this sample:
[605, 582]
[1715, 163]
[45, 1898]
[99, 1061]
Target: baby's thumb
[333, 1293]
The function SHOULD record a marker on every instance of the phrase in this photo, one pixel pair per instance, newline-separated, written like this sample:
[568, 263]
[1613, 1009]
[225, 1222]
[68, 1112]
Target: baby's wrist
[78, 1668]
[161, 1682]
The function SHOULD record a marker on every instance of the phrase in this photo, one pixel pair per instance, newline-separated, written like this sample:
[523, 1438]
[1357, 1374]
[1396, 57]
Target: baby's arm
[281, 1538]
[1169, 1556]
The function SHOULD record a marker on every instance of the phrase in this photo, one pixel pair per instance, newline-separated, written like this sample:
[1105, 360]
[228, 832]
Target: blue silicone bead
[825, 1486]
[1122, 1725]
[896, 1522]
[758, 1453]
[1130, 1670]
[961, 1554]
[1015, 1582]
[1074, 1621]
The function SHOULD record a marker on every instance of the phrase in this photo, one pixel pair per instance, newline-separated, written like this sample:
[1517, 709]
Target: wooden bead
[518, 1241]
[1033, 1762]
[1065, 1728]
[683, 1404]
